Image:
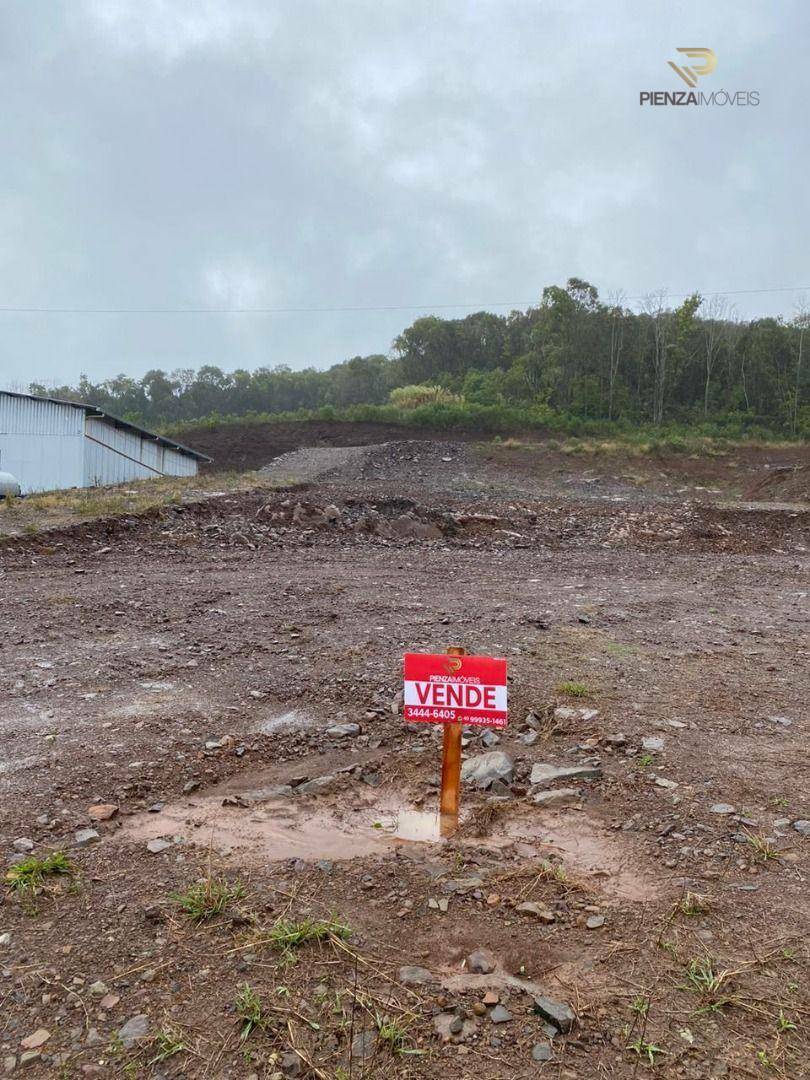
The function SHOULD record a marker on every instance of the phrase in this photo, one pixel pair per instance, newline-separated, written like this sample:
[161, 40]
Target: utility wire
[335, 310]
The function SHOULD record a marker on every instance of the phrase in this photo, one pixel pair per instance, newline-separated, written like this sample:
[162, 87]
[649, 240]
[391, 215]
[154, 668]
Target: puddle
[257, 826]
[420, 826]
[261, 825]
[294, 718]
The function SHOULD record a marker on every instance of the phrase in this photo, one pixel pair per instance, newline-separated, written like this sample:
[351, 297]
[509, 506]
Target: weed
[168, 1043]
[390, 1032]
[249, 1010]
[694, 904]
[30, 875]
[644, 761]
[783, 1023]
[763, 849]
[286, 935]
[640, 1005]
[573, 689]
[209, 897]
[702, 979]
[646, 1050]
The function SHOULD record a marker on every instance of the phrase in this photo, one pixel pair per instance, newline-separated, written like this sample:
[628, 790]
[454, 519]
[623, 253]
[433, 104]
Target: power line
[338, 310]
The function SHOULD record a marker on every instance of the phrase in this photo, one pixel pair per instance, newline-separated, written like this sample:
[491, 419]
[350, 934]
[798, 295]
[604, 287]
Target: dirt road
[182, 671]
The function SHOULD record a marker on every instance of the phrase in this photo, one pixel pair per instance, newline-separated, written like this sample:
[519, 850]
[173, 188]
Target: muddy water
[257, 827]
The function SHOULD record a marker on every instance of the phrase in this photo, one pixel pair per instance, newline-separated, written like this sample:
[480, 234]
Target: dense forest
[572, 356]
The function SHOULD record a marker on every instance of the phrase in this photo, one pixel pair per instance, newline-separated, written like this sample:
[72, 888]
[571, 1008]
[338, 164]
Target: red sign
[442, 689]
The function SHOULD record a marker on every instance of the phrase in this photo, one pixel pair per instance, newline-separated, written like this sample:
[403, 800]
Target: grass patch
[208, 898]
[167, 1044]
[35, 513]
[287, 935]
[573, 689]
[32, 874]
[709, 983]
[249, 1010]
[762, 848]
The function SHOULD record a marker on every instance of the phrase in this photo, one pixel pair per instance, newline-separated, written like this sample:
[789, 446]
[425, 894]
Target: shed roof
[115, 421]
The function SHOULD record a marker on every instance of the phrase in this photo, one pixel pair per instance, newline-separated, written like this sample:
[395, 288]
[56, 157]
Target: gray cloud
[236, 154]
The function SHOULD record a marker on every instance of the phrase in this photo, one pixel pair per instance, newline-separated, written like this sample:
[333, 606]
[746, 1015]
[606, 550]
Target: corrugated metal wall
[49, 446]
[115, 456]
[41, 443]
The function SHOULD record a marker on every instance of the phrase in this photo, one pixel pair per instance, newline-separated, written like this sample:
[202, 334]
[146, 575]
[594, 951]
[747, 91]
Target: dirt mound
[789, 483]
[252, 446]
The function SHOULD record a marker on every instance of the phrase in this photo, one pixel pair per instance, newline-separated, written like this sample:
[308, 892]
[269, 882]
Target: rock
[500, 1015]
[654, 744]
[137, 1027]
[343, 731]
[480, 963]
[290, 1065]
[83, 837]
[23, 844]
[9, 1064]
[542, 775]
[722, 808]
[560, 797]
[616, 740]
[529, 738]
[37, 1039]
[595, 921]
[154, 847]
[415, 976]
[781, 720]
[484, 769]
[93, 1037]
[479, 1008]
[802, 827]
[491, 998]
[190, 786]
[529, 907]
[5, 939]
[542, 1052]
[409, 526]
[661, 781]
[109, 1001]
[364, 1044]
[556, 1012]
[98, 989]
[489, 738]
[331, 513]
[448, 1030]
[102, 811]
[317, 785]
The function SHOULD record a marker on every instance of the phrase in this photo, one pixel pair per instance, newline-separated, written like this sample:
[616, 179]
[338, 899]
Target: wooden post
[451, 764]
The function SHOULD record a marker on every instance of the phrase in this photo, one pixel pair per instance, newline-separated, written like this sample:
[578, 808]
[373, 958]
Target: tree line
[572, 355]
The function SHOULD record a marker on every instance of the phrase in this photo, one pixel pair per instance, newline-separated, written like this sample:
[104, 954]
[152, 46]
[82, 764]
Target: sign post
[454, 689]
[451, 759]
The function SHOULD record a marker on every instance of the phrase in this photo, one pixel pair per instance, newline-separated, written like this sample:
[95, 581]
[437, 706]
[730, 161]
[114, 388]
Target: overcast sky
[239, 154]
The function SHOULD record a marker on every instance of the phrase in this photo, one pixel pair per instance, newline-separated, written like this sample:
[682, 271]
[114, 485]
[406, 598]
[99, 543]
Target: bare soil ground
[168, 680]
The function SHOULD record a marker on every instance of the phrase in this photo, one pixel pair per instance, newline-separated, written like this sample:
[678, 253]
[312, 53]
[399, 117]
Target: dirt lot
[169, 681]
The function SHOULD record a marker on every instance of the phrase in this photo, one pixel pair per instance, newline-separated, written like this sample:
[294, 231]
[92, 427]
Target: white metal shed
[48, 444]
